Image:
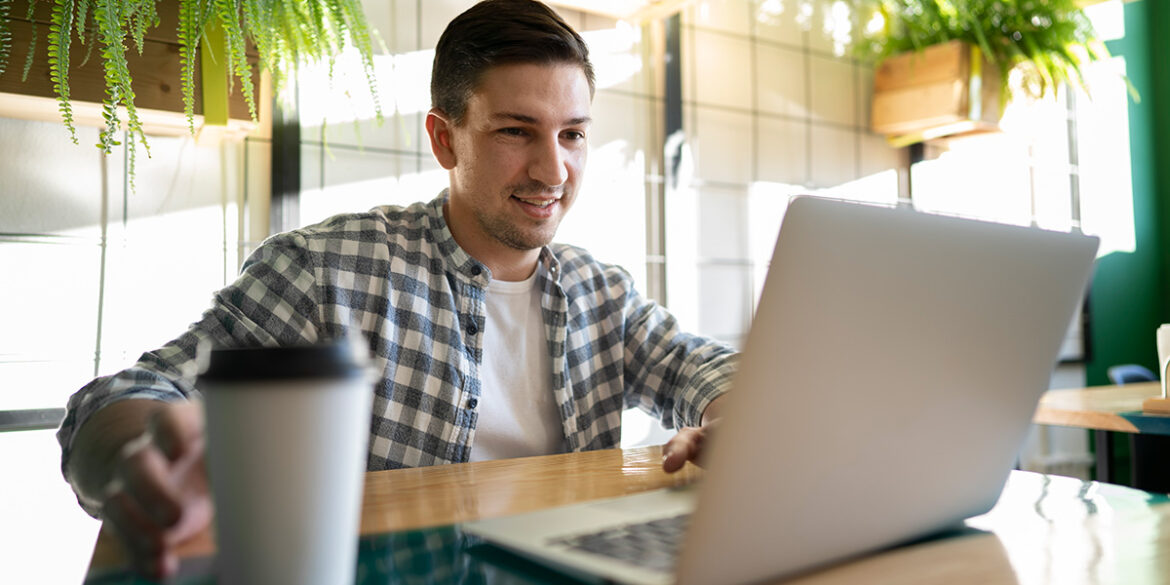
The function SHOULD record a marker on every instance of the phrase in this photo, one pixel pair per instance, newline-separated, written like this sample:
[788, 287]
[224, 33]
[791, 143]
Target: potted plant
[944, 65]
[282, 34]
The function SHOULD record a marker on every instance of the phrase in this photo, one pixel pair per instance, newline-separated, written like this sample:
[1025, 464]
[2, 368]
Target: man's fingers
[684, 446]
[146, 478]
[168, 564]
[143, 538]
[674, 461]
[177, 428]
[190, 477]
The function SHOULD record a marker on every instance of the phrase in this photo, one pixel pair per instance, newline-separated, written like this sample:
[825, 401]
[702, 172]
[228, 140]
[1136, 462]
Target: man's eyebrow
[526, 119]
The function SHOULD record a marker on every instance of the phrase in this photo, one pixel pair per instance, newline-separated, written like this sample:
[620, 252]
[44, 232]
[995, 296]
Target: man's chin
[527, 245]
[526, 242]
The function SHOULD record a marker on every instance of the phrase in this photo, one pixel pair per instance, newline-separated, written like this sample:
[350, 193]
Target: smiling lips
[540, 202]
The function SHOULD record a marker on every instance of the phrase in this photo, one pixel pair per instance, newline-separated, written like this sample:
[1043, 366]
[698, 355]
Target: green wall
[1127, 300]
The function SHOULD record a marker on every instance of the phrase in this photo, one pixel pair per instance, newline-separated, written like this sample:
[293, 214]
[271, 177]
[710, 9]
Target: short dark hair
[499, 32]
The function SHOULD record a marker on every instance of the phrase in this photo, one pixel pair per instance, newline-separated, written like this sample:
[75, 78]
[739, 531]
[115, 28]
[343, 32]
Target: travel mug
[287, 440]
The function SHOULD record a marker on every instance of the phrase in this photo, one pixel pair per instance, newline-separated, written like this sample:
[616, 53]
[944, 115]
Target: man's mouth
[540, 202]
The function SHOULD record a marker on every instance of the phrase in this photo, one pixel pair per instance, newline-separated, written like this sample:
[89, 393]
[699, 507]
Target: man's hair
[499, 32]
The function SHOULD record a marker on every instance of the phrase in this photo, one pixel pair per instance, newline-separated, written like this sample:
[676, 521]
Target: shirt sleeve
[273, 302]
[671, 374]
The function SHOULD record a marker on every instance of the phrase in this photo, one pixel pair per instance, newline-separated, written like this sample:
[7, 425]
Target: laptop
[888, 380]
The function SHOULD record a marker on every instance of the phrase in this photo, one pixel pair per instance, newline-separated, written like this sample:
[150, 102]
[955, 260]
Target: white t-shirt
[518, 414]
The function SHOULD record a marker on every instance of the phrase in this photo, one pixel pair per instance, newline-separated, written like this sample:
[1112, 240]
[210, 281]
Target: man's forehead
[533, 93]
[538, 69]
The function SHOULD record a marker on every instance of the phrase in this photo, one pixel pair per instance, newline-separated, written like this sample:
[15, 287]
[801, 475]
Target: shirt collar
[459, 261]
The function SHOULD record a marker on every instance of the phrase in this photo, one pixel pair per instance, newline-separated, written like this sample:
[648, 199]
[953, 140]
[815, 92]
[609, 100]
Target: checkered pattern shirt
[398, 276]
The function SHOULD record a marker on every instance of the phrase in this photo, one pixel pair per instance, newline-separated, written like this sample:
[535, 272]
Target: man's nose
[549, 164]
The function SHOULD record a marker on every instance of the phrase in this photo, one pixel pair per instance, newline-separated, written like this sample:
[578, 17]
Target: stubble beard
[508, 233]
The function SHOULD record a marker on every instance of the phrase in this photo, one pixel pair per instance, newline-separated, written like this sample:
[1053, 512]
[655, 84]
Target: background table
[1104, 408]
[1108, 409]
[1044, 530]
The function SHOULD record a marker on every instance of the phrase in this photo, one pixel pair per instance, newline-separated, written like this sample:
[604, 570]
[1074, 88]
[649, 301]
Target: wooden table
[1108, 409]
[1103, 408]
[1044, 530]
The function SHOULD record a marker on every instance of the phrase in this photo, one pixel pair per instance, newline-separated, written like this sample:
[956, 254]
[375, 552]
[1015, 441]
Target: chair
[1150, 453]
[1130, 374]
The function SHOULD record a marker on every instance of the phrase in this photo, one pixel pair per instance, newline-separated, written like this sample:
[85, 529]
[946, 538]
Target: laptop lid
[889, 378]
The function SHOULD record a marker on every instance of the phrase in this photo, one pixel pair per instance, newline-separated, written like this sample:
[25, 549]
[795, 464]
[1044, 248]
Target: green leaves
[32, 43]
[229, 17]
[1053, 39]
[59, 39]
[113, 17]
[192, 18]
[285, 33]
[5, 35]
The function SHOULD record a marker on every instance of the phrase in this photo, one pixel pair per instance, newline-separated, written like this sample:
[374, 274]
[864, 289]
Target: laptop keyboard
[651, 545]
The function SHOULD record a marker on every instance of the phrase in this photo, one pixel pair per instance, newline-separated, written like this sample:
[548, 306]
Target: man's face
[516, 160]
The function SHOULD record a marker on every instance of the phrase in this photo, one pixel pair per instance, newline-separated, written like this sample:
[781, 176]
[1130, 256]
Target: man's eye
[512, 131]
[575, 135]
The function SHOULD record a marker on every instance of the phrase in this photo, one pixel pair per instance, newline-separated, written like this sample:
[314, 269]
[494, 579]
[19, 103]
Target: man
[490, 341]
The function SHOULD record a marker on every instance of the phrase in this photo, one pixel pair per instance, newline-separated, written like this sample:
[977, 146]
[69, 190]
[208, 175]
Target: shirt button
[472, 329]
[472, 403]
[476, 270]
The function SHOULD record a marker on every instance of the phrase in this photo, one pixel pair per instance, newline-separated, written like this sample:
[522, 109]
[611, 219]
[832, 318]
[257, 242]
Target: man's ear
[439, 132]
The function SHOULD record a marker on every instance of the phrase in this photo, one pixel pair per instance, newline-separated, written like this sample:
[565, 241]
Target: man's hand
[687, 445]
[157, 495]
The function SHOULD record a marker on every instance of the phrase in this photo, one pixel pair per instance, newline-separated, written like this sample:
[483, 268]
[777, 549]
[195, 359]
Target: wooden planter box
[942, 90]
[155, 78]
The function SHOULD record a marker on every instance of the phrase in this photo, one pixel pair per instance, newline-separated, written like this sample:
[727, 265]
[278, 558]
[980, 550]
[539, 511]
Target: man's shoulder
[382, 220]
[380, 225]
[363, 237]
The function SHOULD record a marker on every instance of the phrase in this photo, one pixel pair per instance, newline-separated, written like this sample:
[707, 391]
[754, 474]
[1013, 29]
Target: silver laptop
[888, 380]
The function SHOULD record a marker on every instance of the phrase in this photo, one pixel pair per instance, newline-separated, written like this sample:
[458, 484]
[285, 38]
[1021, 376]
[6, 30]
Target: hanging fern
[229, 17]
[32, 43]
[140, 16]
[82, 21]
[88, 47]
[190, 16]
[110, 16]
[59, 37]
[286, 33]
[5, 35]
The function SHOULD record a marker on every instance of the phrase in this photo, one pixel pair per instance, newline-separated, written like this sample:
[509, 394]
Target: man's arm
[679, 376]
[673, 374]
[132, 443]
[272, 303]
[99, 442]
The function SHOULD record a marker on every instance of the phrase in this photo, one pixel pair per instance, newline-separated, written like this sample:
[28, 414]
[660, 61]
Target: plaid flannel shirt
[418, 298]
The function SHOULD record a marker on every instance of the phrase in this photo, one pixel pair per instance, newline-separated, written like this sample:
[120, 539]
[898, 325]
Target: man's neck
[505, 262]
[512, 271]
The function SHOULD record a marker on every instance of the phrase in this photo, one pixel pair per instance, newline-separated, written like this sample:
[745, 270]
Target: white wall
[772, 107]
